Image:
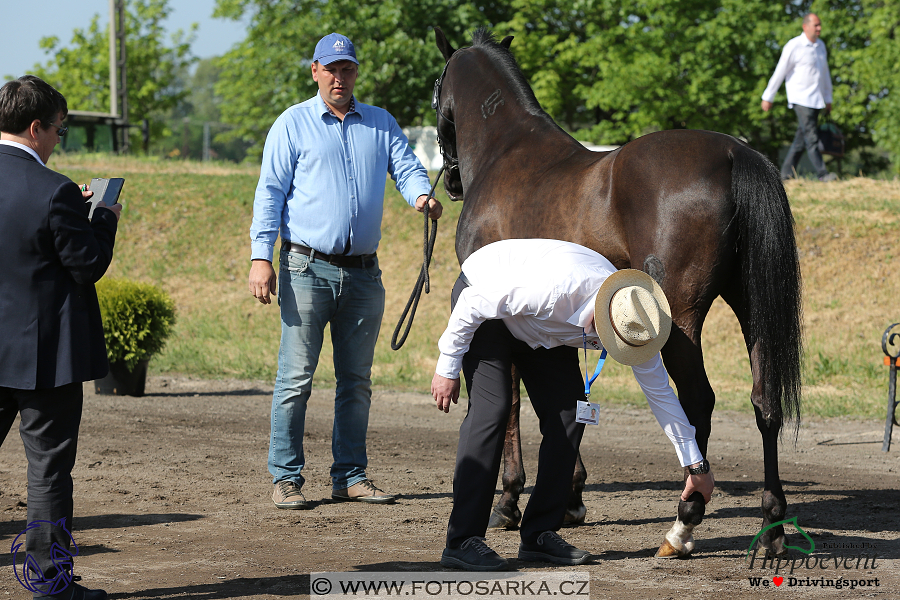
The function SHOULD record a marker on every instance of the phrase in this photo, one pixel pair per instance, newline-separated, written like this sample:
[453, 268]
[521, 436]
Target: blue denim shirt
[322, 179]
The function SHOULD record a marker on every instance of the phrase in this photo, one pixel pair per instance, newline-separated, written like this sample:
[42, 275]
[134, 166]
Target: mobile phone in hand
[105, 190]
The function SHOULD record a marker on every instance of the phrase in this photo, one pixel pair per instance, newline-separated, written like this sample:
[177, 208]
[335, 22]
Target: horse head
[442, 103]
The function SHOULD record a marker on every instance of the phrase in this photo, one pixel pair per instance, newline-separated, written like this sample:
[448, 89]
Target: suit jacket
[51, 255]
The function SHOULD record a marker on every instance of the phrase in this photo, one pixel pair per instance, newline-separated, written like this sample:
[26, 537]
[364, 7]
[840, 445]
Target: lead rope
[424, 280]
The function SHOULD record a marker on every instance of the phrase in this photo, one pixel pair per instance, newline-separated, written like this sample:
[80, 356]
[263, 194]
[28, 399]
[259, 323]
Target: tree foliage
[198, 114]
[270, 70]
[871, 95]
[607, 70]
[619, 70]
[155, 66]
[611, 71]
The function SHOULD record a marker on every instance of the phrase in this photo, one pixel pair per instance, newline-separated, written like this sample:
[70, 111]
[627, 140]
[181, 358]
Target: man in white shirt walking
[803, 67]
[532, 303]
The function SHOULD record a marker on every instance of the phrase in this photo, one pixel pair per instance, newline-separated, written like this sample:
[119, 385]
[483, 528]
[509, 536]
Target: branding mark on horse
[489, 106]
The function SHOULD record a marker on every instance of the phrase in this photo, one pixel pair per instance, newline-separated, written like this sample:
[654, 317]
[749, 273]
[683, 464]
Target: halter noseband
[451, 162]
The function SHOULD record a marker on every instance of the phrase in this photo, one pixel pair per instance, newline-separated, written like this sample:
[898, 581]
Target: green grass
[185, 227]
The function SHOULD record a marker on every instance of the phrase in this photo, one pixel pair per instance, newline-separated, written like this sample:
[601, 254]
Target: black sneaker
[552, 548]
[77, 592]
[473, 555]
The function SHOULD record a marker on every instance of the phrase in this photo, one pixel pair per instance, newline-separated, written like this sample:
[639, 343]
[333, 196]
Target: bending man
[532, 303]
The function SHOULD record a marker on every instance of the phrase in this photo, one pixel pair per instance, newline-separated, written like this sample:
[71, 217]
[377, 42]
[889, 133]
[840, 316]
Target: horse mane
[484, 38]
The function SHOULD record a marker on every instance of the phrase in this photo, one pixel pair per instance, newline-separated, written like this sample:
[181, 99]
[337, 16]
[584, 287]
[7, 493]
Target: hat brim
[615, 346]
[327, 60]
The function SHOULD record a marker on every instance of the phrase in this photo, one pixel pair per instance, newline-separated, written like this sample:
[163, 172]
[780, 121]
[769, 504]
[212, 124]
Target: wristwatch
[703, 469]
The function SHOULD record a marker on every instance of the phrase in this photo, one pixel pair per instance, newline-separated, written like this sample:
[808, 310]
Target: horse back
[661, 203]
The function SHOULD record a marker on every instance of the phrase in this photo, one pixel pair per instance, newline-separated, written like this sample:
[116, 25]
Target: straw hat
[632, 316]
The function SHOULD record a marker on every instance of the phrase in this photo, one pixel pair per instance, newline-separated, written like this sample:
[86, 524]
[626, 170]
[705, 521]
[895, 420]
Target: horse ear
[443, 45]
[507, 41]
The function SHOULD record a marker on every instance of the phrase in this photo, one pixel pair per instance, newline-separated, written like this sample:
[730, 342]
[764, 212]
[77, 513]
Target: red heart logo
[778, 581]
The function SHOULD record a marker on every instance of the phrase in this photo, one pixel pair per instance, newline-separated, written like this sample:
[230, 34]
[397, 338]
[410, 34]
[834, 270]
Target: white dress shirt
[804, 68]
[25, 148]
[544, 291]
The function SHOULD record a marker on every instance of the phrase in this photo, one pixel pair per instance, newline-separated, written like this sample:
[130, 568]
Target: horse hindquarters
[722, 226]
[672, 195]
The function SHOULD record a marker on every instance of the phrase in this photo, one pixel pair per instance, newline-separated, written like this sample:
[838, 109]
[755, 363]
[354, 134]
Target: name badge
[587, 413]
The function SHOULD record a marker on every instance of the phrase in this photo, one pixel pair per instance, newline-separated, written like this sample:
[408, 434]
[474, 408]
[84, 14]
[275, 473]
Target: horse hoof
[502, 520]
[777, 549]
[575, 516]
[667, 550]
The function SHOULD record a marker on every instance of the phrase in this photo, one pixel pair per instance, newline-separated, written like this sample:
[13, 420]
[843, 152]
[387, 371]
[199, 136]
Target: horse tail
[770, 279]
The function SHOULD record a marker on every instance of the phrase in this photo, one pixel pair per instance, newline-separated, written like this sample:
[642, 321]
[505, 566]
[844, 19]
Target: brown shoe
[364, 491]
[287, 495]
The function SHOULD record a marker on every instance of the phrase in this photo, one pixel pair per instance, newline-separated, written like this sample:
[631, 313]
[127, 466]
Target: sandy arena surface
[172, 500]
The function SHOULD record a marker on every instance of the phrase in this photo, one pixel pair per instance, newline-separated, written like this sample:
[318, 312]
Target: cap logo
[339, 47]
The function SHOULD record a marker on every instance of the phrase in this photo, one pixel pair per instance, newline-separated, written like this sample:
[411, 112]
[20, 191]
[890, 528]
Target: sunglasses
[61, 130]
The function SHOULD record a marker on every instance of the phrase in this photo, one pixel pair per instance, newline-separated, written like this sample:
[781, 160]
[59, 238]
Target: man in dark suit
[51, 335]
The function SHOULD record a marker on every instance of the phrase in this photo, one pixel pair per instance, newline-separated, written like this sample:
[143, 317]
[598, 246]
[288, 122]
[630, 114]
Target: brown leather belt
[362, 261]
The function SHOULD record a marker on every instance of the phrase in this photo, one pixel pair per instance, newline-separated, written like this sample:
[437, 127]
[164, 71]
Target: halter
[451, 162]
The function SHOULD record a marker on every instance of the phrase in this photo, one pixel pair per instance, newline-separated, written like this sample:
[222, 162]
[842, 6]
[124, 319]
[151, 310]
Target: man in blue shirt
[322, 186]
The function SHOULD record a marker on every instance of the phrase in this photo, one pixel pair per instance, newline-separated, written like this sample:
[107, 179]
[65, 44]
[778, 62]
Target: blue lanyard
[600, 363]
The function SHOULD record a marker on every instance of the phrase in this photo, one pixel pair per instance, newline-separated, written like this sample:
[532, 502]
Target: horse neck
[494, 114]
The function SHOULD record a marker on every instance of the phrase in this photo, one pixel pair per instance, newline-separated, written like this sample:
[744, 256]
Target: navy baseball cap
[334, 47]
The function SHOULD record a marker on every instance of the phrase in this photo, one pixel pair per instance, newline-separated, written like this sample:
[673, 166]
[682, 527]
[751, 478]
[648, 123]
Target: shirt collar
[25, 148]
[584, 316]
[327, 109]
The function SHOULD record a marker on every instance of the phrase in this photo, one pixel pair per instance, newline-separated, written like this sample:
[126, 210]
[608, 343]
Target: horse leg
[774, 503]
[684, 362]
[506, 514]
[576, 510]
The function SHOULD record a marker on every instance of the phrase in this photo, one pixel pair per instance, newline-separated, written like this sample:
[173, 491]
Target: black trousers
[806, 138]
[554, 383]
[49, 430]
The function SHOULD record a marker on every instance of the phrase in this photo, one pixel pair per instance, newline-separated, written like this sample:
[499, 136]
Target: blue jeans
[806, 138]
[311, 294]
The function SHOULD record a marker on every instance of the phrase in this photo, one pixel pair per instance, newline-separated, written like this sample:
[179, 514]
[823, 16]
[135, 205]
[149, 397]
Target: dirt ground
[172, 499]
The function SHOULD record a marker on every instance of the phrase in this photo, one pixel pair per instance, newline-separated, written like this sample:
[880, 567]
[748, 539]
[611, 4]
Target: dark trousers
[49, 429]
[806, 138]
[554, 383]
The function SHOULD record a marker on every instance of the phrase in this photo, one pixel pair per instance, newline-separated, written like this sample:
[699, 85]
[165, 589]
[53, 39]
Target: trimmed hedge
[137, 319]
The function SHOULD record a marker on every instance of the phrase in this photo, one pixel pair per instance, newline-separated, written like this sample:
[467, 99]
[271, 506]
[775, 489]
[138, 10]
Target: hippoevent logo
[827, 570]
[30, 574]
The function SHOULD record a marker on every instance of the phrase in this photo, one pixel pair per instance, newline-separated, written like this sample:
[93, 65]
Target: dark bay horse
[701, 212]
